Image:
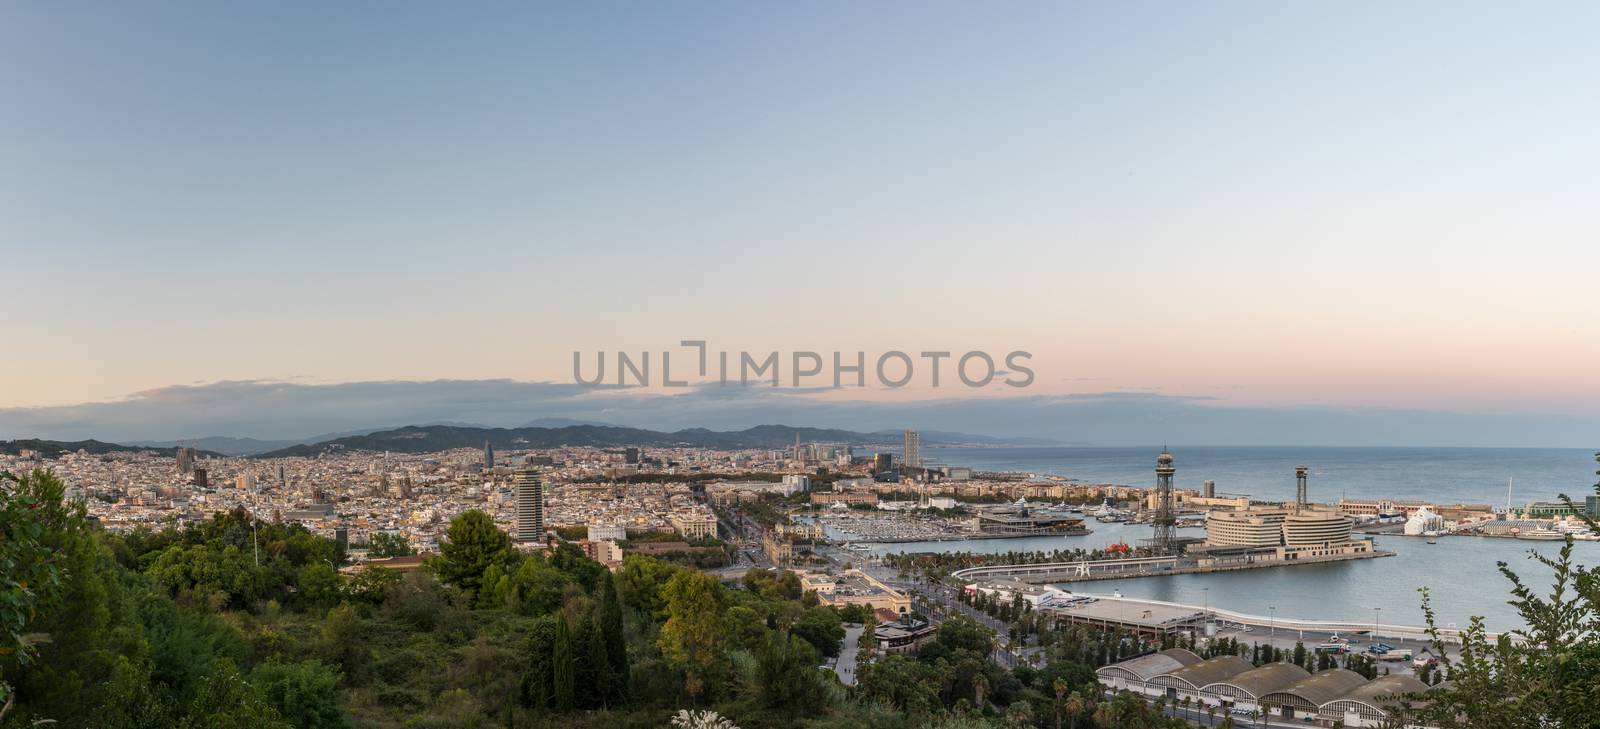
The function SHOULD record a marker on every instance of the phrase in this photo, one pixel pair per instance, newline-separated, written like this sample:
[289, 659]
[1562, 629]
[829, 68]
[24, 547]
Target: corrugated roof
[1379, 691]
[1268, 678]
[1212, 670]
[1151, 665]
[1323, 686]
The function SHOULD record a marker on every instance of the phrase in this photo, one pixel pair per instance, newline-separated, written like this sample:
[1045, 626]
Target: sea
[1459, 573]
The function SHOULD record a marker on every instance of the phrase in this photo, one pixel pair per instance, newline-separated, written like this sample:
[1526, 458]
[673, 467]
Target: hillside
[424, 439]
[54, 448]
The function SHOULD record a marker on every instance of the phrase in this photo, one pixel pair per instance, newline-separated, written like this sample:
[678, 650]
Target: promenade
[1116, 569]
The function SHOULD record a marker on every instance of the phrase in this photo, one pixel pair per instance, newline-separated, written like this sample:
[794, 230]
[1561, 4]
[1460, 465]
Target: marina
[1459, 574]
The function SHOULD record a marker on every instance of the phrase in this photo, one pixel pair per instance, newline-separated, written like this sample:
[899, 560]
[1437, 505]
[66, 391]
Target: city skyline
[1389, 215]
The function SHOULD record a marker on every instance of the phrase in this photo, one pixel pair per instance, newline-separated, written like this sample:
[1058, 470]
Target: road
[846, 665]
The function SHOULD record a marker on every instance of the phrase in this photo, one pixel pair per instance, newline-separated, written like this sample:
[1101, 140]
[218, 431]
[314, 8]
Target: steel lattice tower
[1299, 488]
[1165, 518]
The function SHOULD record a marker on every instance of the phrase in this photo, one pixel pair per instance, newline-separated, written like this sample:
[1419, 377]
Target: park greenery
[233, 621]
[238, 622]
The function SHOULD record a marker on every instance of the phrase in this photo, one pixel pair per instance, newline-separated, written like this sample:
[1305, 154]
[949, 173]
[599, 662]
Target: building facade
[530, 505]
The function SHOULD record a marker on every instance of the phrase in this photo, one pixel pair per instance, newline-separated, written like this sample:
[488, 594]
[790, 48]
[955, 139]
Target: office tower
[200, 478]
[488, 455]
[185, 460]
[797, 455]
[246, 481]
[530, 505]
[882, 463]
[630, 455]
[283, 481]
[1165, 519]
[1211, 489]
[913, 450]
[1299, 488]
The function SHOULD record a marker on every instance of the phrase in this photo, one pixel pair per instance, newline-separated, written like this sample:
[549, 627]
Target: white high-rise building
[913, 450]
[530, 505]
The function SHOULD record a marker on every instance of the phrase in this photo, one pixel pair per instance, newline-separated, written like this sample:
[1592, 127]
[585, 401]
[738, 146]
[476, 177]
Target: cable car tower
[1165, 519]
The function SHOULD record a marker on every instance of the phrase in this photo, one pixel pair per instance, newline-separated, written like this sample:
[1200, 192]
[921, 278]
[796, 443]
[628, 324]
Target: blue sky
[1268, 204]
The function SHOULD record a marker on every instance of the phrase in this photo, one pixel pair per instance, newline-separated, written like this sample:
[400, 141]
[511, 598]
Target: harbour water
[1446, 475]
[1459, 572]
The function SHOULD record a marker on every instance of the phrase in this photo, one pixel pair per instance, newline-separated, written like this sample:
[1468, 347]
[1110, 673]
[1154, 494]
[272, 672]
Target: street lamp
[1272, 622]
[1375, 612]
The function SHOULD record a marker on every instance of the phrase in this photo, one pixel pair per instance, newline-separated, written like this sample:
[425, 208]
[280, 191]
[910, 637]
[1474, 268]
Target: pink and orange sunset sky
[1249, 204]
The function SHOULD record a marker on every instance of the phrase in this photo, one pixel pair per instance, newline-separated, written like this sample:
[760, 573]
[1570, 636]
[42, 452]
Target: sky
[1246, 207]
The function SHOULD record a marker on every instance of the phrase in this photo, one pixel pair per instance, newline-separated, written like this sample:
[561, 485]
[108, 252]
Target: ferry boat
[1542, 535]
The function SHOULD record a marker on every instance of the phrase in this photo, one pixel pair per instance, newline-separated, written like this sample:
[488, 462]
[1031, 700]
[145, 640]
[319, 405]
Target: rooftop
[1149, 666]
[1130, 613]
[1380, 692]
[1211, 670]
[1324, 686]
[1266, 679]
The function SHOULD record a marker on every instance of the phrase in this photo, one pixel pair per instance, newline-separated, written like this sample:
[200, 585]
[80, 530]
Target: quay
[1156, 617]
[1112, 569]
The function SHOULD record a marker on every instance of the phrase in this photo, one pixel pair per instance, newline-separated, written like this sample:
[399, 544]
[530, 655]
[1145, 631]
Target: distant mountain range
[54, 448]
[540, 433]
[424, 439]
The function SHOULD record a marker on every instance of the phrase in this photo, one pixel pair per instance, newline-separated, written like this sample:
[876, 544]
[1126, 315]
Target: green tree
[81, 617]
[821, 628]
[563, 668]
[691, 639]
[1547, 674]
[226, 701]
[903, 683]
[496, 588]
[594, 674]
[304, 694]
[538, 682]
[787, 678]
[537, 588]
[319, 584]
[473, 543]
[612, 631]
[384, 545]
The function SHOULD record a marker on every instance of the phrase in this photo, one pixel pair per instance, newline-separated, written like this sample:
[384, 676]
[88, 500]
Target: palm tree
[1185, 707]
[980, 685]
[1211, 714]
[1060, 686]
[1075, 706]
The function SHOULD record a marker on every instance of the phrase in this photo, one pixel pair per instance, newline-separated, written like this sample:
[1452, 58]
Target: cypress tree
[563, 686]
[538, 684]
[615, 642]
[600, 691]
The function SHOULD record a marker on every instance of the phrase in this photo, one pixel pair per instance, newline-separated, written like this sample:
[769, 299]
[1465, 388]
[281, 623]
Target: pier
[1136, 613]
[1113, 569]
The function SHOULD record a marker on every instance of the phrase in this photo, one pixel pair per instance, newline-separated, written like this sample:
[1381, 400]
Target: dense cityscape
[1072, 364]
[819, 524]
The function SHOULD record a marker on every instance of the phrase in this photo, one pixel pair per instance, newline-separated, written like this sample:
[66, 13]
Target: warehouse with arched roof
[1306, 696]
[1189, 679]
[1371, 703]
[1134, 673]
[1246, 688]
